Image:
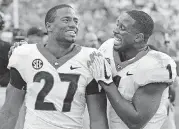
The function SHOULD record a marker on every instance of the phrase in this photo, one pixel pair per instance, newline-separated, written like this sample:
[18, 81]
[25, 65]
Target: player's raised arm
[147, 98]
[13, 101]
[97, 103]
[145, 102]
[96, 98]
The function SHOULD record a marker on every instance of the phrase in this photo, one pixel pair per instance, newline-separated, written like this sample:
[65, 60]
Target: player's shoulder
[159, 59]
[24, 50]
[109, 42]
[84, 55]
[107, 45]
[88, 50]
[154, 67]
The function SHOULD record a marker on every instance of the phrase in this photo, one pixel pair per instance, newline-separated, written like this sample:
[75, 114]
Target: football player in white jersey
[141, 76]
[53, 81]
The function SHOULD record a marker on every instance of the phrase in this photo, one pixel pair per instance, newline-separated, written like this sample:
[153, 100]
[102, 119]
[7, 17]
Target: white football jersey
[56, 88]
[148, 66]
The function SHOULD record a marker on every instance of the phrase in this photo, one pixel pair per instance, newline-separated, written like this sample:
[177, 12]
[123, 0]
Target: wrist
[105, 85]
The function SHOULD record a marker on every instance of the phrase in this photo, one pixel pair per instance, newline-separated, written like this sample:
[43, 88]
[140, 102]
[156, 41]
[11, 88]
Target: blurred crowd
[97, 18]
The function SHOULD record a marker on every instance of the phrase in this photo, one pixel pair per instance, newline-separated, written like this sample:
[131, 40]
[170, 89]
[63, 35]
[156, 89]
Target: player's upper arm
[14, 99]
[146, 100]
[17, 66]
[152, 82]
[96, 102]
[15, 93]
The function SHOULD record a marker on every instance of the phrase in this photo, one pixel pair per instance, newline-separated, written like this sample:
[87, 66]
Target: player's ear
[49, 27]
[139, 37]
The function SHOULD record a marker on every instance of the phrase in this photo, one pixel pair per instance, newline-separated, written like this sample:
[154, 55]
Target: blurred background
[96, 16]
[24, 20]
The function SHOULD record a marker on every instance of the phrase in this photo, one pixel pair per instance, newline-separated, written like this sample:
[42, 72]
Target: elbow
[135, 125]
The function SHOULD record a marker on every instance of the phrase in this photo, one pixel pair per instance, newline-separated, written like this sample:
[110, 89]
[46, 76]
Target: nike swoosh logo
[128, 74]
[105, 73]
[72, 68]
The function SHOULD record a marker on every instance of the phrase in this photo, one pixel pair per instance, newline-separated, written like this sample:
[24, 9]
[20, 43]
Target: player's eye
[76, 21]
[122, 27]
[65, 20]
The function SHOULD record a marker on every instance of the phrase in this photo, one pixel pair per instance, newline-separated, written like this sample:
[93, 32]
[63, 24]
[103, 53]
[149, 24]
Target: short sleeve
[165, 73]
[105, 46]
[93, 88]
[16, 79]
[14, 60]
[17, 62]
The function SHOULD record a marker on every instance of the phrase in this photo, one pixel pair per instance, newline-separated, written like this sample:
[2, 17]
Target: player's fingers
[89, 64]
[98, 66]
[100, 60]
[9, 54]
[15, 44]
[92, 57]
[22, 42]
[19, 44]
[10, 51]
[97, 61]
[99, 54]
[95, 54]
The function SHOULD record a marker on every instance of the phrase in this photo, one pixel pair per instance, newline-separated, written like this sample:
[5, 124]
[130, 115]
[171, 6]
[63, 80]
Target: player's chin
[117, 46]
[71, 40]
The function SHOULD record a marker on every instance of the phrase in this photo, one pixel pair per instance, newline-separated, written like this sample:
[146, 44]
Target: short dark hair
[143, 22]
[51, 14]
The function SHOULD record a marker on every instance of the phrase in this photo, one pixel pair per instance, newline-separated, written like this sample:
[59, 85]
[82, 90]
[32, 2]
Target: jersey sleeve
[164, 71]
[93, 88]
[105, 46]
[17, 68]
[16, 79]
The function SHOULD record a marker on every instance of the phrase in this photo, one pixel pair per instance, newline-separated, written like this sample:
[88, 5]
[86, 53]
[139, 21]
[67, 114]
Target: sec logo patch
[37, 64]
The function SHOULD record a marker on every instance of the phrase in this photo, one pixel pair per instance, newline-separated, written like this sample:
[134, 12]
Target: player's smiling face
[124, 33]
[65, 25]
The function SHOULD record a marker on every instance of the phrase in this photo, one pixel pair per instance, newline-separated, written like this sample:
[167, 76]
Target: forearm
[124, 108]
[10, 110]
[97, 111]
[7, 119]
[99, 125]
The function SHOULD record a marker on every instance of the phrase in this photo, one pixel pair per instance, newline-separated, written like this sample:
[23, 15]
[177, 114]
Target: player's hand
[100, 68]
[16, 44]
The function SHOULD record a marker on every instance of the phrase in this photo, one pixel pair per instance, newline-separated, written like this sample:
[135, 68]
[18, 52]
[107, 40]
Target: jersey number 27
[49, 82]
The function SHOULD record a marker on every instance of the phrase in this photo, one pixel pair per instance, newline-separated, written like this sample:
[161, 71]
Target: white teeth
[118, 39]
[71, 32]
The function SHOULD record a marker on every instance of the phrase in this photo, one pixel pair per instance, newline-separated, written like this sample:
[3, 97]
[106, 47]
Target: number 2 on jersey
[49, 82]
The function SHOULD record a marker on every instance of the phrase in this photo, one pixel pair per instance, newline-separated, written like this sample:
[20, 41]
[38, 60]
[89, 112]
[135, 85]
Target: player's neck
[130, 53]
[58, 49]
